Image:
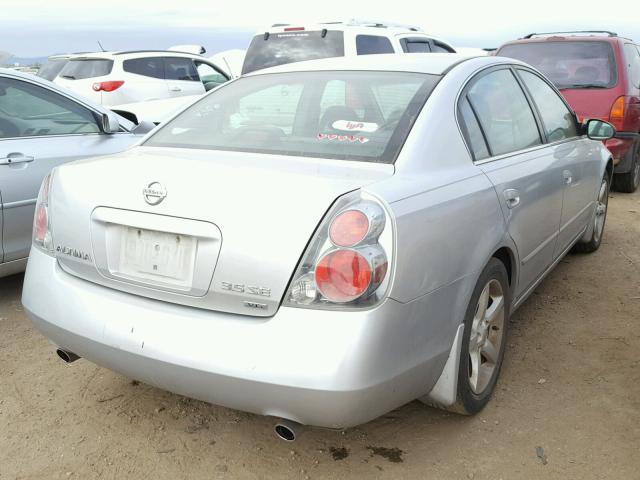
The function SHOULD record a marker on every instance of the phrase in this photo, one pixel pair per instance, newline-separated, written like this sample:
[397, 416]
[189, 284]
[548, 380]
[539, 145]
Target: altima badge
[154, 193]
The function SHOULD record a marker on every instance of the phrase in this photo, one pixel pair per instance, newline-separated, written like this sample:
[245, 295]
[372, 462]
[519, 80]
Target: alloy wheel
[601, 210]
[485, 340]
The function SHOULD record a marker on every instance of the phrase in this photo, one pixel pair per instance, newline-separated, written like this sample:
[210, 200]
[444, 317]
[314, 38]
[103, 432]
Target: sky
[37, 28]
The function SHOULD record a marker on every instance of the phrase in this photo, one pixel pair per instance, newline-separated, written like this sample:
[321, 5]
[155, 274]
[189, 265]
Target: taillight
[616, 117]
[294, 29]
[349, 228]
[347, 262]
[42, 221]
[109, 86]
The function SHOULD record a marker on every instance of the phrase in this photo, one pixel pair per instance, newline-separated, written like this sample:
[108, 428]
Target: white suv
[284, 43]
[113, 78]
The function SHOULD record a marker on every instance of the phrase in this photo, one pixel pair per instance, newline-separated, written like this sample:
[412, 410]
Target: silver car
[41, 127]
[323, 241]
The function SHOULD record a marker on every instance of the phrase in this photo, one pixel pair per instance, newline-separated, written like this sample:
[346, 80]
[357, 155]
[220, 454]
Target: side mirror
[599, 130]
[110, 123]
[144, 127]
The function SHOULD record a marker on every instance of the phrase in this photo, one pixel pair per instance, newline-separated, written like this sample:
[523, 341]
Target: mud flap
[445, 391]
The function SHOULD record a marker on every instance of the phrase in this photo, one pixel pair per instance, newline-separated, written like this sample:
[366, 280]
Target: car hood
[252, 216]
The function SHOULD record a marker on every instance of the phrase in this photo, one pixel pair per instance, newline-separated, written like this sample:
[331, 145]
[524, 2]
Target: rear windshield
[270, 50]
[52, 68]
[569, 64]
[77, 69]
[363, 116]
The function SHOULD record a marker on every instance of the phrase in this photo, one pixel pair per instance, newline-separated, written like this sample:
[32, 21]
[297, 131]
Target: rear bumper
[331, 369]
[622, 151]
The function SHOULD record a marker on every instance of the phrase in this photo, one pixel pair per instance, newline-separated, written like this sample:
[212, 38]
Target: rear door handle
[15, 157]
[511, 197]
[175, 89]
[568, 178]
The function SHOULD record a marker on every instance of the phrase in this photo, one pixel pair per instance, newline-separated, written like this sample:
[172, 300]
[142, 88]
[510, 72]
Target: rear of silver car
[256, 280]
[218, 333]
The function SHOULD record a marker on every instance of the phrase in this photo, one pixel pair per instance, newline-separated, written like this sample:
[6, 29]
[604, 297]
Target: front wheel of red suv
[628, 182]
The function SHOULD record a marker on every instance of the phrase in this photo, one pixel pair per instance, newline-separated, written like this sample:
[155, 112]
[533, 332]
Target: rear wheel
[484, 340]
[628, 182]
[599, 219]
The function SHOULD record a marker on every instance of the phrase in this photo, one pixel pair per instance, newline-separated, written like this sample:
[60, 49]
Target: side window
[503, 112]
[179, 68]
[372, 44]
[441, 48]
[415, 45]
[472, 131]
[148, 67]
[27, 110]
[633, 62]
[209, 76]
[559, 122]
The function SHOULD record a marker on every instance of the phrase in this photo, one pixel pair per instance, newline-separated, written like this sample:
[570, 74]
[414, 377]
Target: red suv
[599, 75]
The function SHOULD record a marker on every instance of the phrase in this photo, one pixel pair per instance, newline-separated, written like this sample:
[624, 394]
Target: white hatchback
[113, 78]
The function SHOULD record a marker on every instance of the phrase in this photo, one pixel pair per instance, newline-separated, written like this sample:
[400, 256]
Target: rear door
[40, 129]
[580, 169]
[182, 77]
[502, 132]
[144, 79]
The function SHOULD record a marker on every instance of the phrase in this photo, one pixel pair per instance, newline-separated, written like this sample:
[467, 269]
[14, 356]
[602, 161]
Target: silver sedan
[324, 241]
[41, 127]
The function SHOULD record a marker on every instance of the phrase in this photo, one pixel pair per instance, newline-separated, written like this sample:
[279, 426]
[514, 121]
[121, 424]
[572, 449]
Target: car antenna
[100, 45]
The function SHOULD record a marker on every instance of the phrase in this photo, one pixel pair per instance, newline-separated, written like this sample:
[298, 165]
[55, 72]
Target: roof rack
[126, 52]
[608, 33]
[354, 22]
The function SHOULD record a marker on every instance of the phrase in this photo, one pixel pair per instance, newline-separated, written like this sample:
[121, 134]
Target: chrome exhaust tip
[67, 357]
[288, 430]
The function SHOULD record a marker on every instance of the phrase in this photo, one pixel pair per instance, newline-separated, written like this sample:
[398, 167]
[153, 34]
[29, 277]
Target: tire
[628, 182]
[599, 219]
[479, 370]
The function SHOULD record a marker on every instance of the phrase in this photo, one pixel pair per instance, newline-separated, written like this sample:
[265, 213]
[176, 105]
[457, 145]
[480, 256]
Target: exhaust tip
[288, 430]
[67, 357]
[285, 433]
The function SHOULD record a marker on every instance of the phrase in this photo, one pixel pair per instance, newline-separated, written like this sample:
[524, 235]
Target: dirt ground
[567, 405]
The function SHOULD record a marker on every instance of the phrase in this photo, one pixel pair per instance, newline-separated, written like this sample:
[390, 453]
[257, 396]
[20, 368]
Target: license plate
[157, 256]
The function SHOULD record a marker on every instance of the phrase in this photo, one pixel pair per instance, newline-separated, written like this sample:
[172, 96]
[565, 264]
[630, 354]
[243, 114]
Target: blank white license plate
[157, 256]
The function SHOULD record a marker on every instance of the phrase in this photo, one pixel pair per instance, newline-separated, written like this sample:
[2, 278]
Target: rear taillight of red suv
[617, 114]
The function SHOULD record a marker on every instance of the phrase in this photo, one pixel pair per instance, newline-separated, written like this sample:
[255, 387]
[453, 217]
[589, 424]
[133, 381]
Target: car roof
[368, 27]
[431, 63]
[134, 54]
[567, 37]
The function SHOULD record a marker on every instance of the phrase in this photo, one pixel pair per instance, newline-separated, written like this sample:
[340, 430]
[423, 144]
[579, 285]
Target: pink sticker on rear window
[343, 138]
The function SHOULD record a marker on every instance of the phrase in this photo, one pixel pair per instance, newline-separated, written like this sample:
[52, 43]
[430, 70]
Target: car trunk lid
[209, 229]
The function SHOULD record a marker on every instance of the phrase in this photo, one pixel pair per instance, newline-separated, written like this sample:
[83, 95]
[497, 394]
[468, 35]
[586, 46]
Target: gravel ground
[567, 405]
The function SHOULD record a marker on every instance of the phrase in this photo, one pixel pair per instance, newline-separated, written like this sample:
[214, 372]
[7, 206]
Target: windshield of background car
[571, 64]
[289, 47]
[362, 116]
[52, 68]
[86, 68]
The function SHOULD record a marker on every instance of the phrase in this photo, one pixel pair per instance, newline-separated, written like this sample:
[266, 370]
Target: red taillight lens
[349, 228]
[343, 275]
[42, 223]
[294, 29]
[108, 86]
[616, 117]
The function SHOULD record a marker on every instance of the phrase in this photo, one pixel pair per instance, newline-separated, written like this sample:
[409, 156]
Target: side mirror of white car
[110, 123]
